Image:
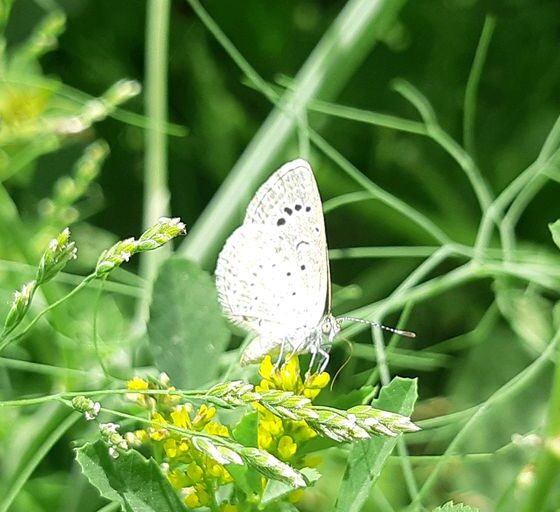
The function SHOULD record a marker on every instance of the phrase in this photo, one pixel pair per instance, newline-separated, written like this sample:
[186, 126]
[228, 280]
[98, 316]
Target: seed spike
[400, 332]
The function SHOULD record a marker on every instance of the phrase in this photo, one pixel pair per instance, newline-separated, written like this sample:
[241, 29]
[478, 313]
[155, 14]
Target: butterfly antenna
[408, 334]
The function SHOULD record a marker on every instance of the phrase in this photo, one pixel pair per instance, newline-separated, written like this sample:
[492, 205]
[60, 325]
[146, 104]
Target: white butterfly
[273, 276]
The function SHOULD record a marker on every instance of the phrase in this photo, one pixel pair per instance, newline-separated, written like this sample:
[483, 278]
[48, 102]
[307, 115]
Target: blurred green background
[432, 45]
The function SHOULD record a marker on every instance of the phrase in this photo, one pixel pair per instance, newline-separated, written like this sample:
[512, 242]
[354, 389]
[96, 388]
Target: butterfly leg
[325, 361]
[311, 363]
[280, 359]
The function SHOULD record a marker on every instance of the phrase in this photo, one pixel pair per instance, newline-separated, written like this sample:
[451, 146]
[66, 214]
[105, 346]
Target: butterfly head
[330, 327]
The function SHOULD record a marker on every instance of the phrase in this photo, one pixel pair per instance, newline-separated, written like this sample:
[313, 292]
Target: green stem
[382, 252]
[513, 386]
[547, 465]
[156, 192]
[331, 64]
[19, 336]
[25, 472]
[379, 193]
[68, 395]
[547, 155]
[469, 105]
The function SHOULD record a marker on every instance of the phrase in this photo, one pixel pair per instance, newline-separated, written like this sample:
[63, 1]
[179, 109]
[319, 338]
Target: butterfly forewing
[289, 201]
[272, 275]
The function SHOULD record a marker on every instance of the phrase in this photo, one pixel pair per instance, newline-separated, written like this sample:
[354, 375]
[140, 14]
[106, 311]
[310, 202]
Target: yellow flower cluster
[196, 476]
[281, 436]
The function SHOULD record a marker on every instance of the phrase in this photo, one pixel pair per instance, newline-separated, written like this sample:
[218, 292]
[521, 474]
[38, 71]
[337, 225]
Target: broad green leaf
[245, 431]
[459, 507]
[555, 230]
[131, 480]
[367, 458]
[187, 329]
[352, 398]
[246, 477]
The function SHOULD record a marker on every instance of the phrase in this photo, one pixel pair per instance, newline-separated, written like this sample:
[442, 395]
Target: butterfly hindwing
[265, 283]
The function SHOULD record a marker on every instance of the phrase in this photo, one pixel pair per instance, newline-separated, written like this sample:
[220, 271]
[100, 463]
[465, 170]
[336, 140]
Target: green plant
[203, 433]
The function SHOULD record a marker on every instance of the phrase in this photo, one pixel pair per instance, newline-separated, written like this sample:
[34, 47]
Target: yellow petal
[286, 447]
[266, 368]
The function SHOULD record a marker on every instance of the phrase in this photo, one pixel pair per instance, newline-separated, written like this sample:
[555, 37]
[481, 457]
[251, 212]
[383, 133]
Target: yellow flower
[314, 383]
[286, 447]
[289, 375]
[141, 435]
[203, 416]
[178, 479]
[137, 384]
[194, 472]
[281, 437]
[203, 496]
[180, 416]
[265, 439]
[170, 447]
[266, 368]
[216, 429]
[190, 497]
[296, 495]
[228, 507]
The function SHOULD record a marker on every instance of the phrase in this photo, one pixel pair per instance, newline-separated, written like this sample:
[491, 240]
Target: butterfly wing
[289, 201]
[272, 274]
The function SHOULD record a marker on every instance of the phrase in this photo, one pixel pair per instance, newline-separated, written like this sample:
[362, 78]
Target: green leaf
[187, 329]
[367, 458]
[131, 480]
[352, 398]
[528, 312]
[276, 490]
[246, 477]
[555, 230]
[450, 507]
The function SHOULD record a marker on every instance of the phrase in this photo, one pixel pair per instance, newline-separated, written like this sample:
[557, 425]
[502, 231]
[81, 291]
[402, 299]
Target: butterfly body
[272, 275]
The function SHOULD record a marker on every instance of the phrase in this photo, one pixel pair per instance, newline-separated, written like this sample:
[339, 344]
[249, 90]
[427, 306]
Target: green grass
[437, 213]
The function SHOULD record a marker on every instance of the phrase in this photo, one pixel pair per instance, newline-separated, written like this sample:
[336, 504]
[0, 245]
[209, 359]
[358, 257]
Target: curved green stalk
[156, 192]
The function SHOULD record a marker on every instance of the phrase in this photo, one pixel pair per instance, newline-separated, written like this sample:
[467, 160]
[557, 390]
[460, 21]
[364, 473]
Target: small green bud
[87, 406]
[115, 256]
[59, 252]
[161, 233]
[20, 306]
[272, 467]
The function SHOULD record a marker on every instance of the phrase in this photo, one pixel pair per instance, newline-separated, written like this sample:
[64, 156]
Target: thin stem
[377, 192]
[365, 116]
[353, 197]
[68, 395]
[429, 128]
[55, 304]
[249, 71]
[25, 472]
[471, 91]
[547, 465]
[383, 252]
[547, 155]
[331, 64]
[513, 386]
[518, 205]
